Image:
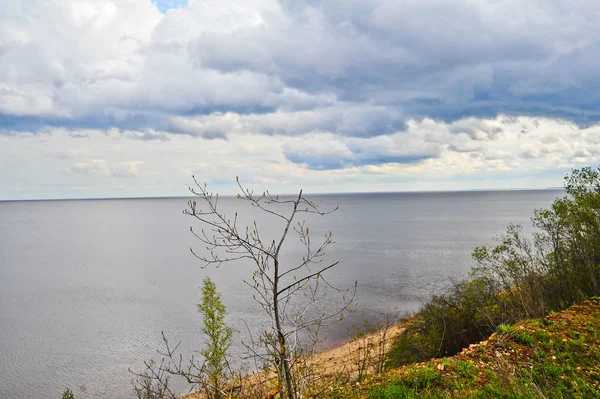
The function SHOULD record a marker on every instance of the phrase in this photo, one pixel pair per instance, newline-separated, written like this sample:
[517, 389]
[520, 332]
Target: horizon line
[287, 194]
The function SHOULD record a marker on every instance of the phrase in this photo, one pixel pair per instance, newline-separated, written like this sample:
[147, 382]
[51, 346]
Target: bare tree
[276, 285]
[372, 342]
[153, 382]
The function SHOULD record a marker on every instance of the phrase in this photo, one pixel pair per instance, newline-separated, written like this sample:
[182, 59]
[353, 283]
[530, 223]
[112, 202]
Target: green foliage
[393, 392]
[450, 322]
[506, 328]
[219, 336]
[424, 378]
[516, 279]
[540, 358]
[68, 394]
[523, 337]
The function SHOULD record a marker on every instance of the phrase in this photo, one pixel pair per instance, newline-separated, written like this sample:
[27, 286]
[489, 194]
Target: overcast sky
[121, 98]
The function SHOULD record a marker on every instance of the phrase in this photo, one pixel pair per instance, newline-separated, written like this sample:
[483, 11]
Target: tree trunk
[284, 366]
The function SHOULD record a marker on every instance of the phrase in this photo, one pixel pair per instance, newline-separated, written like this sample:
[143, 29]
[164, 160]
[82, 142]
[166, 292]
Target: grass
[553, 357]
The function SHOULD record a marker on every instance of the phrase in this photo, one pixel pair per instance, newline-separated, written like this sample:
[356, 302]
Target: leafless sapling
[276, 284]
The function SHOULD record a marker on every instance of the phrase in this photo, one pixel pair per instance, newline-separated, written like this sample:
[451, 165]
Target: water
[87, 286]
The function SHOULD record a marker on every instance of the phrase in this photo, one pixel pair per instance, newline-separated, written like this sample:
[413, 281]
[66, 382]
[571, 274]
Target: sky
[130, 98]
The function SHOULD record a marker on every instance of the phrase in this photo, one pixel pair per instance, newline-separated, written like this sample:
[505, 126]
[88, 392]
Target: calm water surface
[87, 286]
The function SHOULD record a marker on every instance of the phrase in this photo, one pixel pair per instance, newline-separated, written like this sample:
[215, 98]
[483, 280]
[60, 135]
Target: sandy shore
[341, 363]
[345, 358]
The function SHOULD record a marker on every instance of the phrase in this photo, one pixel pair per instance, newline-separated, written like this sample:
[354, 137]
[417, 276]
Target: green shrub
[219, 335]
[68, 394]
[518, 278]
[446, 324]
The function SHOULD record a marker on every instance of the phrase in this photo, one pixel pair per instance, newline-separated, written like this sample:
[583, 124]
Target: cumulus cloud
[311, 91]
[124, 64]
[342, 119]
[523, 152]
[466, 145]
[319, 151]
[327, 151]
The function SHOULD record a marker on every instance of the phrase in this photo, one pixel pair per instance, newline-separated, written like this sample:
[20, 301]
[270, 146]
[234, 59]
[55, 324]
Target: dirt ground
[342, 363]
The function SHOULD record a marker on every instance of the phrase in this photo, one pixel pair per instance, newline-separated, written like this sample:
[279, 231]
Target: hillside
[553, 357]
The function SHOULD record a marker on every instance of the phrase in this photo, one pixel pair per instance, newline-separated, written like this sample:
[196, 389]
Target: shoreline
[342, 360]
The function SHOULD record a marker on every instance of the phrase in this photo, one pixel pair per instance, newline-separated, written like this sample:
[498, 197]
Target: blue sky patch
[165, 5]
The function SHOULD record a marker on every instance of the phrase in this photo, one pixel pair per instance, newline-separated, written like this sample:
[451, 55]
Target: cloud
[319, 151]
[323, 93]
[326, 151]
[100, 167]
[361, 121]
[523, 152]
[468, 146]
[358, 68]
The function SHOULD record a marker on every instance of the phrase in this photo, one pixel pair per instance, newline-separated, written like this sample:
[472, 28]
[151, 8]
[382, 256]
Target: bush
[447, 323]
[518, 278]
[68, 394]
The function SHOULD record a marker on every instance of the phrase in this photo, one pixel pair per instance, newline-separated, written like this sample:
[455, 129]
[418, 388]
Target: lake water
[86, 286]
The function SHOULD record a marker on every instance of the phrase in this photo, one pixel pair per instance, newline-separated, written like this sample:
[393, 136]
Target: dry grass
[332, 367]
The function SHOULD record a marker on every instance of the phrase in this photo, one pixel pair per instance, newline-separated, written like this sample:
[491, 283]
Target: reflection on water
[87, 286]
